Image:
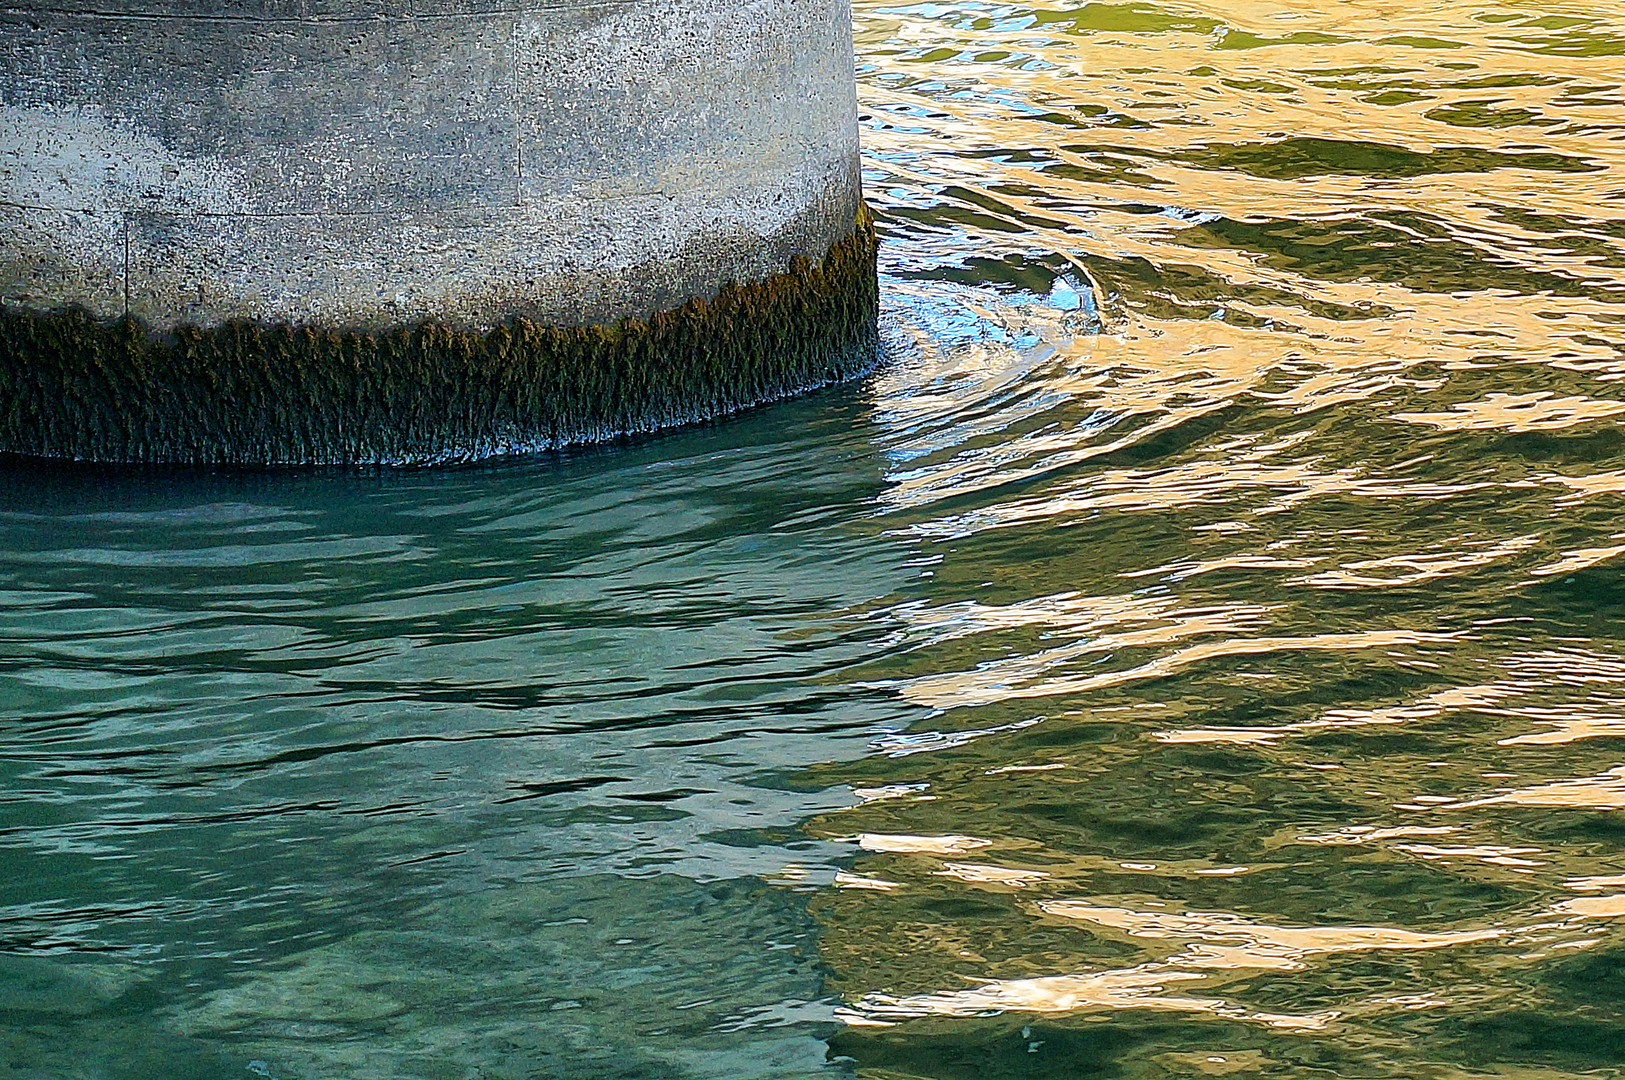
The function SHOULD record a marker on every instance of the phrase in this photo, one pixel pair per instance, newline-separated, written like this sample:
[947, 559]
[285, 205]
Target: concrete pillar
[313, 231]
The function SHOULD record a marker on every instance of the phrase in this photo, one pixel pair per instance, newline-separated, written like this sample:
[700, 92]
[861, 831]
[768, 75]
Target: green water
[1199, 651]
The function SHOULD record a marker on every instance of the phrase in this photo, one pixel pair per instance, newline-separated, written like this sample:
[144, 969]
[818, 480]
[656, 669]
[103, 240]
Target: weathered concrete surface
[363, 167]
[374, 164]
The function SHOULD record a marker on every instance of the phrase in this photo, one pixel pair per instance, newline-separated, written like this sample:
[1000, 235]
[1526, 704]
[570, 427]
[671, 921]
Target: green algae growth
[246, 393]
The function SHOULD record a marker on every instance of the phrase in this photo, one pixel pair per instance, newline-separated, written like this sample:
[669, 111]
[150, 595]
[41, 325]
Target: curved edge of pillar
[250, 393]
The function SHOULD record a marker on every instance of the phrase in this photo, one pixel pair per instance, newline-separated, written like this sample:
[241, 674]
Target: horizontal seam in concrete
[134, 211]
[310, 20]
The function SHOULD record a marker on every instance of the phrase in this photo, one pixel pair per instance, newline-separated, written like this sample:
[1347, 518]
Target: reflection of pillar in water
[278, 231]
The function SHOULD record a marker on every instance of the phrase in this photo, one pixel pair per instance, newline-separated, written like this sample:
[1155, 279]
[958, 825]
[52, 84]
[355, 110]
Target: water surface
[1200, 650]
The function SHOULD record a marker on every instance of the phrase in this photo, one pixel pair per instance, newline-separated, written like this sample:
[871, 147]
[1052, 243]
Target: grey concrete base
[281, 162]
[325, 208]
[470, 268]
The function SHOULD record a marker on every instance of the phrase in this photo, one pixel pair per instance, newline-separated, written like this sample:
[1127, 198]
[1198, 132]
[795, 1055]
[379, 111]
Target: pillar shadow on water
[483, 771]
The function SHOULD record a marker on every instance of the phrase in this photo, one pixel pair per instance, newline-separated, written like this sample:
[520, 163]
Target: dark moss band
[251, 394]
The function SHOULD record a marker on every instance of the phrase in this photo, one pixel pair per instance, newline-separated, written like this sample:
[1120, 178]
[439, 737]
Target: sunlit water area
[1198, 650]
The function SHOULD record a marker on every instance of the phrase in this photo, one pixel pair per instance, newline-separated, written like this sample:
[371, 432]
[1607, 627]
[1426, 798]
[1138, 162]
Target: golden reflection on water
[1256, 427]
[1023, 677]
[1605, 791]
[1208, 947]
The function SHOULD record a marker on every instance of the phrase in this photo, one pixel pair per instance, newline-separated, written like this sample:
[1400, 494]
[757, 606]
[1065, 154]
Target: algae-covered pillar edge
[298, 231]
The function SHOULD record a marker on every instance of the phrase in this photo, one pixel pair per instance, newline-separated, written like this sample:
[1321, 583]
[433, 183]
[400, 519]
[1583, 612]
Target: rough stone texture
[179, 187]
[367, 165]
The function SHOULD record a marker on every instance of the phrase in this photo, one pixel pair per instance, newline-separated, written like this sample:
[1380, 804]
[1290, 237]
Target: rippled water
[1199, 651]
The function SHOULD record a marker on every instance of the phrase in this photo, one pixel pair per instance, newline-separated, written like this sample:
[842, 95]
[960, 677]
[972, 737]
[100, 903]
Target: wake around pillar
[306, 231]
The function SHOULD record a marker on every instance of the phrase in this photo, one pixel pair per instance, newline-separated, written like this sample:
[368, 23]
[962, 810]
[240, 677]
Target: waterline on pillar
[246, 393]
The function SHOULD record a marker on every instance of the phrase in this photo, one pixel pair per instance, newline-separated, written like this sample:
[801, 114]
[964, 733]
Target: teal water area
[1198, 651]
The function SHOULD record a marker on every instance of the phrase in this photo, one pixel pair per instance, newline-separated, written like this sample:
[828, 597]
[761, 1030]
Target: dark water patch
[1042, 1050]
[561, 787]
[1182, 290]
[1296, 158]
[1130, 18]
[1484, 114]
[1595, 978]
[1405, 249]
[1524, 1036]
